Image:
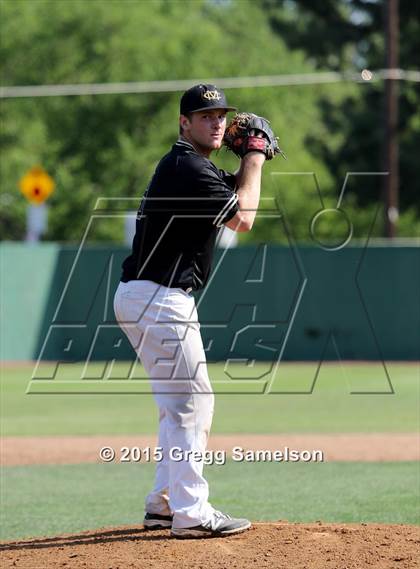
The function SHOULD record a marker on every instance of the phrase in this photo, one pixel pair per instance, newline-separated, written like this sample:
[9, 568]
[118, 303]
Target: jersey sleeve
[228, 178]
[214, 190]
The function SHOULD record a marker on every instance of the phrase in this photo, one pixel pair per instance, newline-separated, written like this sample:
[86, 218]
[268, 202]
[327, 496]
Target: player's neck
[197, 147]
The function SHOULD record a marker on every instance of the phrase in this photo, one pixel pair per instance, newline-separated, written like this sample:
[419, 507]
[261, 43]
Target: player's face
[205, 129]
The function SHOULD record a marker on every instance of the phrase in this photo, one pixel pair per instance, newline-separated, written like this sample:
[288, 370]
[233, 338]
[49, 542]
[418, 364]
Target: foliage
[345, 36]
[108, 145]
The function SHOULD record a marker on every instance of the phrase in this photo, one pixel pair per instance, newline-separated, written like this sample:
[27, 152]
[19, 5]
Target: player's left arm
[248, 192]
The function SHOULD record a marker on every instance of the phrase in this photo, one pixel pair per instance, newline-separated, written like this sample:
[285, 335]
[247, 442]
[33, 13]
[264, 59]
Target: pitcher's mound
[268, 545]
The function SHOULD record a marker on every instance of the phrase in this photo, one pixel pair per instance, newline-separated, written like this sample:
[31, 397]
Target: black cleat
[157, 521]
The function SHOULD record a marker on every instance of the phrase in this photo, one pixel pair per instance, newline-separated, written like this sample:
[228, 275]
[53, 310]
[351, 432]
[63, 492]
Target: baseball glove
[247, 132]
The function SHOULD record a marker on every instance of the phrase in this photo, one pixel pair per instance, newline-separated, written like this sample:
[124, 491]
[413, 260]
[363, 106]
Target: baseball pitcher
[187, 201]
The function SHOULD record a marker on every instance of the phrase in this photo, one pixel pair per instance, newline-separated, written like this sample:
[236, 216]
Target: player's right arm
[248, 183]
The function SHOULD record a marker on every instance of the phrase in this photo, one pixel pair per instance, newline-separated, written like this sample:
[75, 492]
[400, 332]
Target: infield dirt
[364, 447]
[279, 545]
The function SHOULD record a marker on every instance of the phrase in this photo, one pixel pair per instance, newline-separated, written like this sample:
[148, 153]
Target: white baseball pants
[162, 326]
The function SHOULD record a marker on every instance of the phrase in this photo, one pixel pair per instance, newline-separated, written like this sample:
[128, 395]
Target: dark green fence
[262, 303]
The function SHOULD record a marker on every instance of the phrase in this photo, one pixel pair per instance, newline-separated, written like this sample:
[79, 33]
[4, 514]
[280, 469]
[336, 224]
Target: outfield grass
[330, 408]
[48, 500]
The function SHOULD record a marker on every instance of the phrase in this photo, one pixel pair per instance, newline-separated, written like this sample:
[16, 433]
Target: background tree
[108, 145]
[345, 35]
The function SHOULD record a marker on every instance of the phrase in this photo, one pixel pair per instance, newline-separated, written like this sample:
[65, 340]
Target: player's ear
[184, 122]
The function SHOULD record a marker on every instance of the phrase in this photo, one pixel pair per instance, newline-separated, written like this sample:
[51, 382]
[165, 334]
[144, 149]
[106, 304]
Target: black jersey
[186, 202]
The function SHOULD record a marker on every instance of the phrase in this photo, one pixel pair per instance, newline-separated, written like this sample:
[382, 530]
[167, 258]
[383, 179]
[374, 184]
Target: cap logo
[212, 95]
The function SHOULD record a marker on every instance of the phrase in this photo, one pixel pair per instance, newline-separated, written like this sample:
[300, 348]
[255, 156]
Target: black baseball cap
[202, 97]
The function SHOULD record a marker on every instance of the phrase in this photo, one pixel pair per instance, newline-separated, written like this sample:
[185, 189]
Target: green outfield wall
[262, 303]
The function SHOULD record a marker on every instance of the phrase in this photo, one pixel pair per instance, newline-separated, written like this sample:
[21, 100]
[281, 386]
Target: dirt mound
[268, 545]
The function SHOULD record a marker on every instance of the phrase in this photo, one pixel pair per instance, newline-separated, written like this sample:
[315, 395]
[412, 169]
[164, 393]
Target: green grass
[330, 408]
[47, 500]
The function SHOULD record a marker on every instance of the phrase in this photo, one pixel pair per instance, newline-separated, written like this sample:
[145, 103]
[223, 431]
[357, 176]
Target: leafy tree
[108, 146]
[345, 35]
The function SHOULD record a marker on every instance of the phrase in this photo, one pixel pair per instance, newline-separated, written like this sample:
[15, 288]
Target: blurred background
[89, 104]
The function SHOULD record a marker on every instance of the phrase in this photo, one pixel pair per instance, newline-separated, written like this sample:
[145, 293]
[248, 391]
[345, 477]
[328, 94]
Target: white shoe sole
[185, 533]
[158, 524]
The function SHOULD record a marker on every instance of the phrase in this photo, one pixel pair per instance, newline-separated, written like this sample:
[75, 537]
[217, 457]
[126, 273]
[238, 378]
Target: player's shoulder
[191, 163]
